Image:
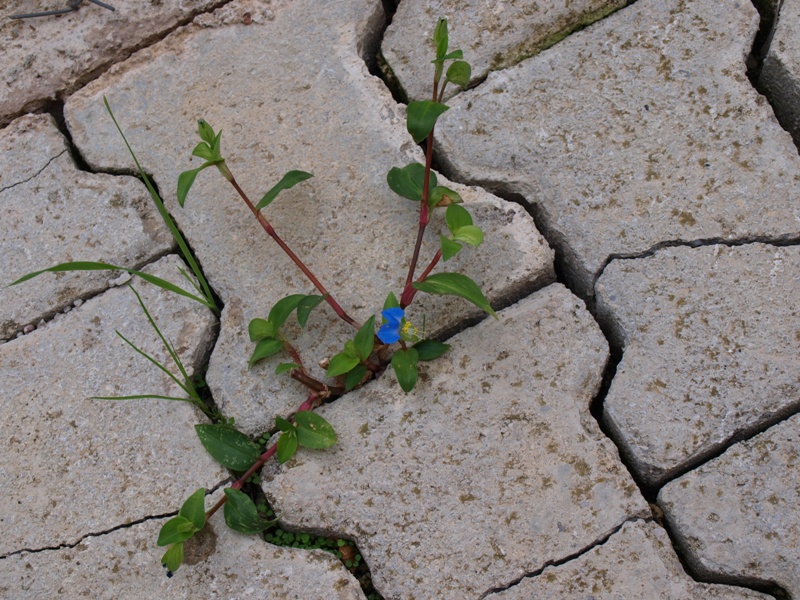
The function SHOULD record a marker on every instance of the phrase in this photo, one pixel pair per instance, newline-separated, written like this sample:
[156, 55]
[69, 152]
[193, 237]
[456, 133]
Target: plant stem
[300, 265]
[410, 291]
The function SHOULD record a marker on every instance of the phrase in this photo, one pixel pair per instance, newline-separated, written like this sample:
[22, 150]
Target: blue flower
[389, 332]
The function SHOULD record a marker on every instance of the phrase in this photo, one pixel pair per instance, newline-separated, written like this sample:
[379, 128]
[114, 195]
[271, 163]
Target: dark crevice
[35, 175]
[768, 12]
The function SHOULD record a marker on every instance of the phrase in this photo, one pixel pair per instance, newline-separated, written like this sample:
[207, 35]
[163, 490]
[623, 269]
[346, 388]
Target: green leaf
[264, 349]
[457, 217]
[185, 181]
[194, 509]
[173, 557]
[408, 182]
[354, 377]
[241, 514]
[440, 38]
[341, 363]
[391, 301]
[205, 131]
[443, 196]
[449, 248]
[230, 448]
[291, 179]
[459, 73]
[454, 54]
[203, 150]
[365, 339]
[283, 424]
[177, 529]
[469, 234]
[430, 349]
[260, 329]
[287, 445]
[455, 284]
[284, 367]
[305, 307]
[404, 363]
[283, 308]
[421, 117]
[313, 431]
[215, 143]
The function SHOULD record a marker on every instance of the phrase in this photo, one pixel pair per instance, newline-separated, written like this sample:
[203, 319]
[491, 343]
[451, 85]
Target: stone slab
[640, 130]
[780, 72]
[126, 563]
[490, 469]
[710, 340]
[636, 562]
[307, 102]
[51, 212]
[72, 466]
[736, 516]
[492, 35]
[47, 57]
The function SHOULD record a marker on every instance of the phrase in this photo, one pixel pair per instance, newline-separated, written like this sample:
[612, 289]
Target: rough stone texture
[492, 35]
[711, 337]
[492, 468]
[636, 562]
[287, 103]
[72, 465]
[638, 130]
[46, 57]
[52, 213]
[226, 565]
[780, 73]
[736, 516]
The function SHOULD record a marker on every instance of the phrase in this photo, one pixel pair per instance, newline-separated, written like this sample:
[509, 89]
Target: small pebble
[78, 302]
[28, 328]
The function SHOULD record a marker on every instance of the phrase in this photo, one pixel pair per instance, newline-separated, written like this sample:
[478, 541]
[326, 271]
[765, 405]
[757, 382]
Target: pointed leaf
[408, 182]
[177, 529]
[440, 38]
[449, 248]
[404, 363]
[205, 131]
[194, 508]
[430, 349]
[241, 514]
[283, 367]
[459, 73]
[443, 196]
[457, 216]
[454, 54]
[173, 558]
[341, 363]
[185, 181]
[469, 234]
[283, 308]
[291, 179]
[283, 424]
[421, 117]
[391, 301]
[230, 448]
[313, 431]
[260, 329]
[305, 307]
[365, 339]
[354, 377]
[287, 446]
[455, 284]
[203, 150]
[265, 348]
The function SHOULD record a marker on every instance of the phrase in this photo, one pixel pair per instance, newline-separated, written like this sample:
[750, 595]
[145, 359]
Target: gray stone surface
[711, 337]
[736, 516]
[492, 35]
[636, 562]
[125, 564]
[46, 57]
[780, 73]
[492, 468]
[73, 466]
[639, 130]
[282, 106]
[50, 212]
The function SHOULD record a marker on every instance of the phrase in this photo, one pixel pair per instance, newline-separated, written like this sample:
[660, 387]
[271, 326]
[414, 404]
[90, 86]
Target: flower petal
[389, 333]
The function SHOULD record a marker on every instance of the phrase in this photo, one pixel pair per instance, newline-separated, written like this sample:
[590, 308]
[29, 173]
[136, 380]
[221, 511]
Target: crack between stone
[35, 175]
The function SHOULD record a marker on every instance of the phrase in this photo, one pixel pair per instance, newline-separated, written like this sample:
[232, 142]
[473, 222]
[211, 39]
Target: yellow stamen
[409, 329]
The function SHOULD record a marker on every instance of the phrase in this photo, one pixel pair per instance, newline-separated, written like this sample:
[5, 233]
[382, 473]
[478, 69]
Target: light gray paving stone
[125, 564]
[711, 337]
[639, 130]
[301, 101]
[46, 57]
[736, 516]
[780, 73]
[73, 466]
[636, 562]
[54, 213]
[490, 469]
[493, 35]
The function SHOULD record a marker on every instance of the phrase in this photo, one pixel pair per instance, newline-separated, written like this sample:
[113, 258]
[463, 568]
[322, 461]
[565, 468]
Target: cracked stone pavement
[626, 428]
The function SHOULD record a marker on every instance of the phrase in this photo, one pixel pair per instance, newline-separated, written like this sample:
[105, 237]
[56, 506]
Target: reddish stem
[267, 226]
[410, 291]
